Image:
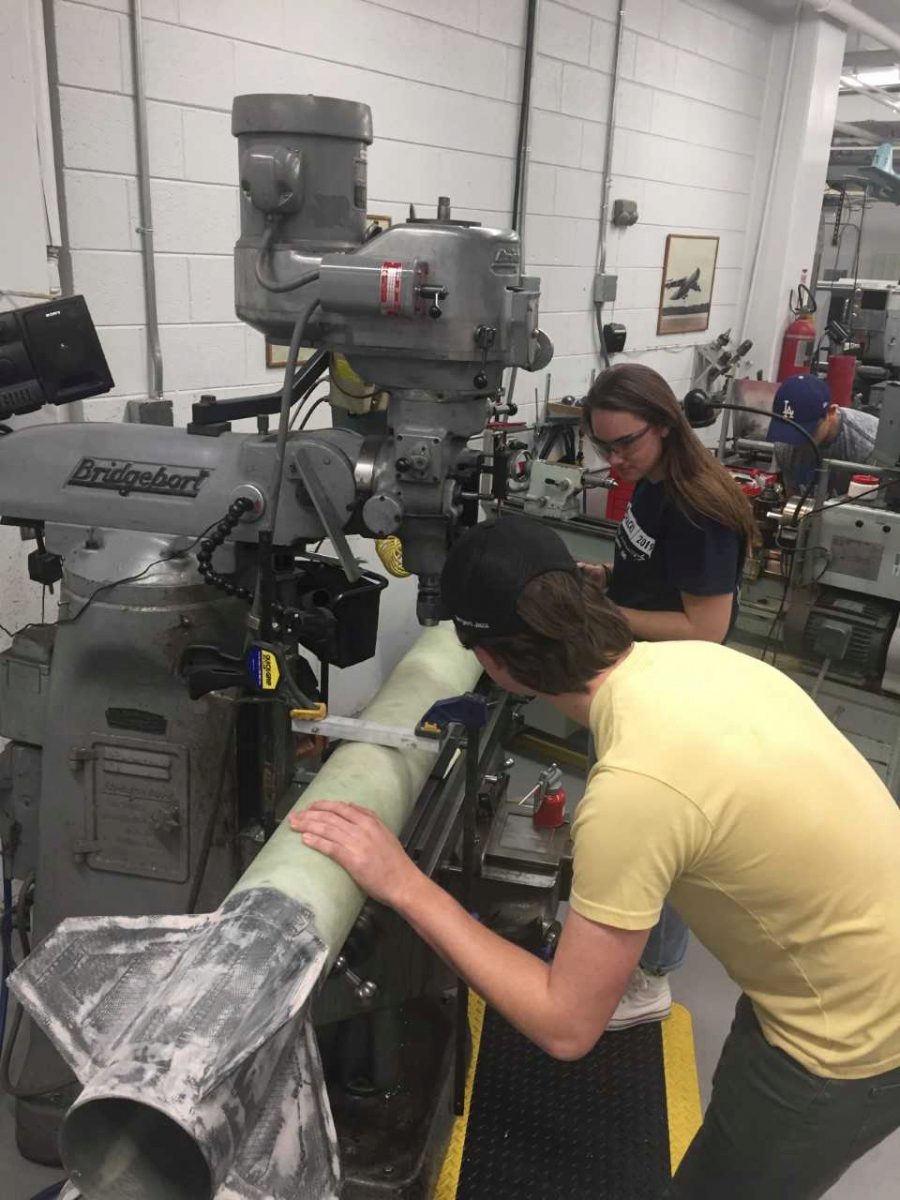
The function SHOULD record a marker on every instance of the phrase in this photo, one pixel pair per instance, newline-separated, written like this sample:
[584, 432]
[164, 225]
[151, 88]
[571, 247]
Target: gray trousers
[773, 1131]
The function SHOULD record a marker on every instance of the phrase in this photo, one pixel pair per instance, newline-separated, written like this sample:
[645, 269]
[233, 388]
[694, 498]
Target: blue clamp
[470, 710]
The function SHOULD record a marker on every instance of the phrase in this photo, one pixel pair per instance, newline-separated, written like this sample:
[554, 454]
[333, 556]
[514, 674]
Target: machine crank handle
[365, 990]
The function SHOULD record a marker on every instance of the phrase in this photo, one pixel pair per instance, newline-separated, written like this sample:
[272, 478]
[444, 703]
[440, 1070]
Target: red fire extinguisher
[799, 337]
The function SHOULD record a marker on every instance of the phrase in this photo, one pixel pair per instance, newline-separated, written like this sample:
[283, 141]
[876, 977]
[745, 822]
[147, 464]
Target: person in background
[679, 554]
[842, 433]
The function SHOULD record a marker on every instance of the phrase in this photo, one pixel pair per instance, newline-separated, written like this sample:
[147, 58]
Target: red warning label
[390, 287]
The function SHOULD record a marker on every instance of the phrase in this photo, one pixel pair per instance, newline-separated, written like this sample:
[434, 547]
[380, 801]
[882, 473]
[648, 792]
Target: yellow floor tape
[448, 1180]
[682, 1085]
[682, 1093]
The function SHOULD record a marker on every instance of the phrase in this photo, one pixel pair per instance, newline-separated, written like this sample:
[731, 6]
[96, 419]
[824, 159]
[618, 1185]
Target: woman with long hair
[681, 545]
[678, 559]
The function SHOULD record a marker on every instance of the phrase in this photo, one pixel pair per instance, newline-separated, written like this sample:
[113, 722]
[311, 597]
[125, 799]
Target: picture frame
[686, 289]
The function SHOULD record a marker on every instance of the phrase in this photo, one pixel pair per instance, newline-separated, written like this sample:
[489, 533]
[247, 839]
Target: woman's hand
[358, 841]
[597, 571]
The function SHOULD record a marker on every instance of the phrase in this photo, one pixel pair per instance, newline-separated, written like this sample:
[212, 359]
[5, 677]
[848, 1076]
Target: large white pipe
[385, 780]
[852, 18]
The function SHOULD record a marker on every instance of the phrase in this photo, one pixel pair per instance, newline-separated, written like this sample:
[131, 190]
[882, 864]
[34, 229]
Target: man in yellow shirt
[720, 785]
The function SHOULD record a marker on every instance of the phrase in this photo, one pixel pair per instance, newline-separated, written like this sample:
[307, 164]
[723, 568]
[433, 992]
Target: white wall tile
[540, 194]
[406, 173]
[585, 93]
[125, 347]
[161, 10]
[593, 146]
[165, 140]
[462, 14]
[503, 20]
[655, 63]
[564, 33]
[562, 241]
[635, 107]
[212, 288]
[606, 9]
[546, 83]
[89, 47]
[210, 151]
[97, 130]
[578, 193]
[565, 289]
[259, 21]
[188, 67]
[203, 356]
[555, 139]
[194, 218]
[112, 284]
[570, 332]
[354, 32]
[102, 211]
[646, 17]
[402, 109]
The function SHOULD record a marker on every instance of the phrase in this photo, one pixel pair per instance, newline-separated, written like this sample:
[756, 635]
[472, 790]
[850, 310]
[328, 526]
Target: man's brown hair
[574, 632]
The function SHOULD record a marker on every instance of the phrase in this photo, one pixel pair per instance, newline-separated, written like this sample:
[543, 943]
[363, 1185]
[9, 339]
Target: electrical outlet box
[625, 213]
[605, 288]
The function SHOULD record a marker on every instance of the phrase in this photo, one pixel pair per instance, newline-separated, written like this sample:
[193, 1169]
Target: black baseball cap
[487, 570]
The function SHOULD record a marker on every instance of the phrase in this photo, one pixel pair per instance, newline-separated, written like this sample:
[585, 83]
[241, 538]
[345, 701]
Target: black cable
[311, 410]
[215, 811]
[105, 587]
[298, 405]
[266, 281]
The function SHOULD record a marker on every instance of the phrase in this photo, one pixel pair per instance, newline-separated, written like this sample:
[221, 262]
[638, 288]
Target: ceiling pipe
[863, 136]
[851, 18]
[872, 93]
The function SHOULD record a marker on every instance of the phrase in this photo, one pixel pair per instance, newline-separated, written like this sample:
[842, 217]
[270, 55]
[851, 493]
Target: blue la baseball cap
[804, 399]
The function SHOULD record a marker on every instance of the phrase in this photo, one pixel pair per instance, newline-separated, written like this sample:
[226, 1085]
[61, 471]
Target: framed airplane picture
[687, 283]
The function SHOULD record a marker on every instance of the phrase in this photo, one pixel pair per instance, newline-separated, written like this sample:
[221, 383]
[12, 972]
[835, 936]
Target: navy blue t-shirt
[661, 551]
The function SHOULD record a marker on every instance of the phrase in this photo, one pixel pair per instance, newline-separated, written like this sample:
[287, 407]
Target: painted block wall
[443, 84]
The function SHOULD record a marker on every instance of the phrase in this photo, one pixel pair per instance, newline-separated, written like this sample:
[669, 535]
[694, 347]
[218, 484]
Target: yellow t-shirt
[721, 785]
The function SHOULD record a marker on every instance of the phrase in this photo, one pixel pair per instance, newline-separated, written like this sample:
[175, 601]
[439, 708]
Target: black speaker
[50, 354]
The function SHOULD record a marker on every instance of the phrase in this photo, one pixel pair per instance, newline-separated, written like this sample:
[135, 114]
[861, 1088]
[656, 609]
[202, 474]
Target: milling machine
[151, 751]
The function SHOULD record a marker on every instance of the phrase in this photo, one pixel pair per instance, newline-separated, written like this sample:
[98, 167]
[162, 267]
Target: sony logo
[150, 479]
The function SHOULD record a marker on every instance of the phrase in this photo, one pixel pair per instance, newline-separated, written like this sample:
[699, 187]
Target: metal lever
[365, 990]
[435, 292]
[304, 457]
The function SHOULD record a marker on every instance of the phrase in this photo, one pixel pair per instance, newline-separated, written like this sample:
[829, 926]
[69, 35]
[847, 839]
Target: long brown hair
[573, 633]
[695, 480]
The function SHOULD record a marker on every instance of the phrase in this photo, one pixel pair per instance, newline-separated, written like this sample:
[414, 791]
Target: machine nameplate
[138, 819]
[137, 720]
[853, 556]
[148, 478]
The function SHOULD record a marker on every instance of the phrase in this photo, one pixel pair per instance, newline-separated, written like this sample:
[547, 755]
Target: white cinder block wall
[443, 82]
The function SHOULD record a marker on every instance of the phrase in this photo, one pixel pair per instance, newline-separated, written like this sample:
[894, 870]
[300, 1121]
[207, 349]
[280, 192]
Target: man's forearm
[510, 979]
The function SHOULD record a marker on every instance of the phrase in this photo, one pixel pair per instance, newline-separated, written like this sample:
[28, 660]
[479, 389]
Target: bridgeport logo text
[150, 479]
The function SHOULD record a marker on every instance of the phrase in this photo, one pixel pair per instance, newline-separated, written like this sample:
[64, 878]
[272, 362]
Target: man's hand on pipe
[359, 842]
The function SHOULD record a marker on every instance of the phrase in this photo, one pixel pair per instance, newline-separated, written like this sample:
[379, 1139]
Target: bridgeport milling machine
[189, 593]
